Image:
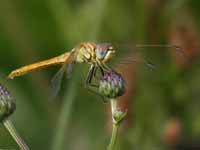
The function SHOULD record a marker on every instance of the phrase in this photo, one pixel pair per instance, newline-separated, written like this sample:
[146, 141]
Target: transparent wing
[142, 53]
[55, 84]
[150, 65]
[132, 55]
[69, 71]
[56, 81]
[176, 48]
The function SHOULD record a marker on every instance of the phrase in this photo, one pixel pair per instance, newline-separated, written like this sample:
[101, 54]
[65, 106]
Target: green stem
[114, 137]
[64, 118]
[115, 125]
[113, 105]
[117, 118]
[13, 132]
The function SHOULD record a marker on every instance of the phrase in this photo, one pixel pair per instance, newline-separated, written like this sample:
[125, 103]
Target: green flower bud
[118, 116]
[112, 85]
[7, 103]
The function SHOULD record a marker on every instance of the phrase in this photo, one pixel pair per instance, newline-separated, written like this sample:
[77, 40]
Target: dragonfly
[97, 55]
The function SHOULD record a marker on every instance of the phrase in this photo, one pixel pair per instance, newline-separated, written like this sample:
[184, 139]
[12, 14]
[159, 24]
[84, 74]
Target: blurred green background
[164, 104]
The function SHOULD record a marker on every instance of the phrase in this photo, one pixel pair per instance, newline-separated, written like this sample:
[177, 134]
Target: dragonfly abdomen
[39, 65]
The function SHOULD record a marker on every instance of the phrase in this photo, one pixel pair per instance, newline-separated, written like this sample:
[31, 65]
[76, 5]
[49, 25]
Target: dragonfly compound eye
[104, 51]
[101, 54]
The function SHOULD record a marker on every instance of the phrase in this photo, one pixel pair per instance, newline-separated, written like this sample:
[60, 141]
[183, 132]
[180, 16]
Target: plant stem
[13, 132]
[64, 118]
[114, 137]
[113, 105]
[115, 125]
[117, 118]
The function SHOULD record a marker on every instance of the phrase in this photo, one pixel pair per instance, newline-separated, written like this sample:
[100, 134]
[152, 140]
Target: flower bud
[112, 85]
[118, 116]
[7, 103]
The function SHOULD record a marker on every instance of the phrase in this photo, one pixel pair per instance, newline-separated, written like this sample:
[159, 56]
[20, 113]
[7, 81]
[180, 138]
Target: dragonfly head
[104, 51]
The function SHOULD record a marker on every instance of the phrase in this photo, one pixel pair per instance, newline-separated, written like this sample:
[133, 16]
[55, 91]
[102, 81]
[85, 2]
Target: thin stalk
[58, 142]
[114, 137]
[13, 132]
[115, 125]
[113, 105]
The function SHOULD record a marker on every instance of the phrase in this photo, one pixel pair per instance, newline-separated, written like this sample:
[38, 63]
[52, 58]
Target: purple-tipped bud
[112, 85]
[7, 103]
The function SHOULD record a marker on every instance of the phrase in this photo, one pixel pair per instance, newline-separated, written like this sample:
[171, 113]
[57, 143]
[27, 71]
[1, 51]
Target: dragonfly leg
[96, 93]
[90, 75]
[106, 67]
[88, 82]
[95, 71]
[102, 71]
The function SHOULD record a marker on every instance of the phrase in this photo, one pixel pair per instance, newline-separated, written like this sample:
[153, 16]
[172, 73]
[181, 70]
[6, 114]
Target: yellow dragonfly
[97, 55]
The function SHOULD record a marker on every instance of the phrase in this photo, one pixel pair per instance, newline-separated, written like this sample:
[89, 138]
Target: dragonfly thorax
[85, 52]
[94, 53]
